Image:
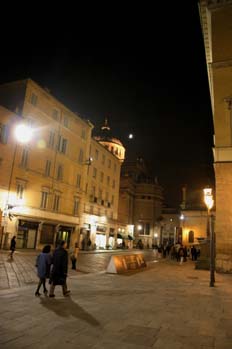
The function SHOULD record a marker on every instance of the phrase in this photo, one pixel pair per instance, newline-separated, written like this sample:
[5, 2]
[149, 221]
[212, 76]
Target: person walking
[181, 254]
[12, 246]
[73, 255]
[43, 264]
[59, 269]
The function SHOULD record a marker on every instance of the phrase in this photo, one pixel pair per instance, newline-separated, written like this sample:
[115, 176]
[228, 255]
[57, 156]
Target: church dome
[113, 144]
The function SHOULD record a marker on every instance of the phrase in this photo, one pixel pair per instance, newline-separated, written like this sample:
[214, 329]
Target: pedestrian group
[177, 251]
[53, 267]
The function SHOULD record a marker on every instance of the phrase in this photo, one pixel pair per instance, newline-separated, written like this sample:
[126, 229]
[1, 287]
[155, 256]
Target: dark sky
[143, 67]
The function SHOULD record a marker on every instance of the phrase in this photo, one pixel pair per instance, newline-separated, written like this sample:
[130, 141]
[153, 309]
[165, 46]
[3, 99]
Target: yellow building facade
[101, 200]
[42, 182]
[216, 19]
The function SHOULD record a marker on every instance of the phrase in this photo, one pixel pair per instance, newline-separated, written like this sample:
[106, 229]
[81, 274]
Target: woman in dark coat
[59, 269]
[43, 264]
[12, 246]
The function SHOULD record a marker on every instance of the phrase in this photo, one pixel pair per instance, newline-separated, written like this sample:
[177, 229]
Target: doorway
[64, 234]
[27, 233]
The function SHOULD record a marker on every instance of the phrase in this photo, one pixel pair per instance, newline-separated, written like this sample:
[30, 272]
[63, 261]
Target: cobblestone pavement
[21, 270]
[166, 306]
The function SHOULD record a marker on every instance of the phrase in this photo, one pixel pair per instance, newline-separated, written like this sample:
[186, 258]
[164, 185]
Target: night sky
[142, 67]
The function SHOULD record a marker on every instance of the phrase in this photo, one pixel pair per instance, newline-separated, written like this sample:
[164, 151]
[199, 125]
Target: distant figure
[59, 269]
[73, 255]
[43, 264]
[12, 246]
[194, 253]
[181, 254]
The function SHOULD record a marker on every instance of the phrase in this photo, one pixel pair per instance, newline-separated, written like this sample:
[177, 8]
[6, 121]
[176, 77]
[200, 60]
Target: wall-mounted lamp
[89, 161]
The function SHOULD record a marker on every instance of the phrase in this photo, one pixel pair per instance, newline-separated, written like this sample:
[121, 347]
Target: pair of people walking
[54, 267]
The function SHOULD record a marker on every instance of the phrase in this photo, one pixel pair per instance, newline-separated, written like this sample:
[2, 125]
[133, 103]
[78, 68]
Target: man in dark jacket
[12, 246]
[59, 269]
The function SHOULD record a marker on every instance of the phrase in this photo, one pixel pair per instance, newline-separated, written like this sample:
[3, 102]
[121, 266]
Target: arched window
[191, 236]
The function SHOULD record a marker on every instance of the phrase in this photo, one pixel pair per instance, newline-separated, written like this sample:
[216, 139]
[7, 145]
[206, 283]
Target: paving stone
[160, 308]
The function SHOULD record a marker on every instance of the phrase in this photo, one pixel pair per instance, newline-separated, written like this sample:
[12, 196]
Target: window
[76, 206]
[62, 145]
[44, 199]
[96, 154]
[78, 183]
[100, 194]
[3, 133]
[48, 168]
[147, 229]
[47, 234]
[191, 236]
[93, 190]
[34, 99]
[66, 120]
[59, 176]
[112, 201]
[83, 133]
[20, 190]
[51, 139]
[113, 185]
[103, 159]
[109, 163]
[108, 180]
[102, 177]
[56, 202]
[115, 167]
[81, 155]
[24, 159]
[55, 114]
[94, 172]
[107, 196]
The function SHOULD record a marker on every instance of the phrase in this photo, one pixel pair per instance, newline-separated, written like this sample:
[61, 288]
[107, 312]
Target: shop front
[27, 234]
[100, 240]
[111, 241]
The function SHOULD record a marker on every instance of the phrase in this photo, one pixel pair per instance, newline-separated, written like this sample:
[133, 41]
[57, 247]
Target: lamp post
[208, 198]
[22, 135]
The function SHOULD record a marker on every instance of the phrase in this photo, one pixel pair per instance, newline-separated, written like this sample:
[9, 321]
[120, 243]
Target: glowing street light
[209, 202]
[23, 135]
[131, 136]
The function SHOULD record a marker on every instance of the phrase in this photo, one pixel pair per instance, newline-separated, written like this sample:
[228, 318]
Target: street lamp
[22, 135]
[208, 198]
